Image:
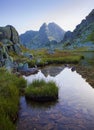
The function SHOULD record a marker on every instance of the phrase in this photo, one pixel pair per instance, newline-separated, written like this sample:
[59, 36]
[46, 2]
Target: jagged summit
[47, 34]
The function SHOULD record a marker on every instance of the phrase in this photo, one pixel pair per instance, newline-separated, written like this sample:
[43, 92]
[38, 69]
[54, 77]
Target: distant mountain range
[47, 35]
[52, 36]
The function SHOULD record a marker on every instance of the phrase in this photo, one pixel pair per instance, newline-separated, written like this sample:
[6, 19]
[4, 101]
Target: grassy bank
[39, 90]
[9, 99]
[44, 57]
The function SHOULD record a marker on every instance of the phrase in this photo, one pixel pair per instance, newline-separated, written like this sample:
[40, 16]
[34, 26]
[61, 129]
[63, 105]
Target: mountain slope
[47, 35]
[26, 37]
[83, 35]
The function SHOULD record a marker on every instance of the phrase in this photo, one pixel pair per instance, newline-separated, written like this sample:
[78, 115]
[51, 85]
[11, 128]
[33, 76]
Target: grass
[39, 90]
[9, 99]
[42, 57]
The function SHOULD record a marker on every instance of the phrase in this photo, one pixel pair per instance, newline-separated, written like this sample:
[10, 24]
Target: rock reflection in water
[74, 109]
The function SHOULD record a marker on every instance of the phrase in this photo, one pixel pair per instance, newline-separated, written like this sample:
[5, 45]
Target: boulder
[9, 42]
[10, 33]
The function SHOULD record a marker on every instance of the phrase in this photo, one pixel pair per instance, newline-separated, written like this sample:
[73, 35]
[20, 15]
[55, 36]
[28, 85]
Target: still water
[74, 109]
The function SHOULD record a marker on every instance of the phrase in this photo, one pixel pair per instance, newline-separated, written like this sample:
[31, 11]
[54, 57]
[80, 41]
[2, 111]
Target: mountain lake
[74, 109]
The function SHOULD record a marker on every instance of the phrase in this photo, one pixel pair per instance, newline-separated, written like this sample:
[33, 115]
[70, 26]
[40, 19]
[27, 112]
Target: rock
[83, 33]
[9, 42]
[28, 55]
[17, 49]
[10, 33]
[73, 69]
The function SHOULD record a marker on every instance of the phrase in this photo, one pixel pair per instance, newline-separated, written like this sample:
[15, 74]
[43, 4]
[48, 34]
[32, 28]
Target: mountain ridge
[46, 35]
[52, 36]
[82, 35]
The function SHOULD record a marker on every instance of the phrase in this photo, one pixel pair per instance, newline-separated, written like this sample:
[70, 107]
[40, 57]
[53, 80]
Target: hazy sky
[31, 14]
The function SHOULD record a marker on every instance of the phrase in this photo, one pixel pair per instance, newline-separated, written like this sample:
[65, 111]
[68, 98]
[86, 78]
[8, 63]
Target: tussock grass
[9, 99]
[41, 91]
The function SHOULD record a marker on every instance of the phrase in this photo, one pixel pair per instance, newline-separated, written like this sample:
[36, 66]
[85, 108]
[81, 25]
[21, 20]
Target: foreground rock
[9, 43]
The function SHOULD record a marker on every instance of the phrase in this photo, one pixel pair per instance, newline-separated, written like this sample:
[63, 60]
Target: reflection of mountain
[52, 70]
[75, 106]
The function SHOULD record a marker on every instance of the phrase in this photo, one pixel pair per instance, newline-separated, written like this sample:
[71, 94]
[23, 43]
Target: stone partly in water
[25, 70]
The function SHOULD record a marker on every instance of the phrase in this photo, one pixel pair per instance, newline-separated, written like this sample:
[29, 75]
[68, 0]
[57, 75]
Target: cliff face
[83, 35]
[47, 35]
[9, 42]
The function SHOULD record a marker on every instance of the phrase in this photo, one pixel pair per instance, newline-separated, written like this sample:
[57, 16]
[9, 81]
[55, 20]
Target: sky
[31, 14]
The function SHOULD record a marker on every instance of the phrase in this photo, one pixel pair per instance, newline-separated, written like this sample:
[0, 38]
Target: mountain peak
[90, 17]
[47, 34]
[44, 25]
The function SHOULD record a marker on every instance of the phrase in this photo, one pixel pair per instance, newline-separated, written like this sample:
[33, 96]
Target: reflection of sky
[72, 88]
[31, 14]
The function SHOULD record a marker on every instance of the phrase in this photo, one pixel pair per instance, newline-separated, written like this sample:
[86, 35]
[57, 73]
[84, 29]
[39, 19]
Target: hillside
[83, 34]
[47, 35]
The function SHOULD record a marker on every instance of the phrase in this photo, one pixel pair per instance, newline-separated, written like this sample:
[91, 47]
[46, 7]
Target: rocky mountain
[47, 35]
[83, 34]
[9, 42]
[26, 37]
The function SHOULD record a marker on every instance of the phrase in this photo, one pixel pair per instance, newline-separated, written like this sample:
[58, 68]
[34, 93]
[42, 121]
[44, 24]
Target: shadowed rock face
[9, 41]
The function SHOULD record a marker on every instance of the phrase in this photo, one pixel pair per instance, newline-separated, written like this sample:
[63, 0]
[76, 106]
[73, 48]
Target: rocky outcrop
[47, 35]
[9, 33]
[9, 42]
[83, 34]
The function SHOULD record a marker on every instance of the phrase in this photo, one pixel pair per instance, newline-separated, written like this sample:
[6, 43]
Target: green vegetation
[90, 37]
[44, 57]
[39, 90]
[9, 99]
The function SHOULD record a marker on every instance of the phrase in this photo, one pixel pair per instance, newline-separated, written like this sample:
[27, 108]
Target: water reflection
[74, 109]
[39, 105]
